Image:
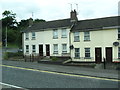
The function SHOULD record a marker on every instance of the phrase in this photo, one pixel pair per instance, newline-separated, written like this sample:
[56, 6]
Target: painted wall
[99, 38]
[46, 37]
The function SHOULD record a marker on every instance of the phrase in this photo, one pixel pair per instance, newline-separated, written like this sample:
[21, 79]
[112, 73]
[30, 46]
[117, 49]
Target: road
[30, 78]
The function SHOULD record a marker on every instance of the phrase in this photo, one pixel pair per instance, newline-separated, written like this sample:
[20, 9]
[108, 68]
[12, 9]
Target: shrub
[54, 58]
[11, 54]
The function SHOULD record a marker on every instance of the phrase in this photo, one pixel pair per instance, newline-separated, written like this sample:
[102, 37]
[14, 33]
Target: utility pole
[6, 38]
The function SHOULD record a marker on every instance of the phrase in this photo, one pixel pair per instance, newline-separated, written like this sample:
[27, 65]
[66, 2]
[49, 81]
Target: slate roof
[96, 24]
[49, 25]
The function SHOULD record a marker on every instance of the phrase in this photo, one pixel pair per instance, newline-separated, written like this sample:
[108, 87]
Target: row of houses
[88, 40]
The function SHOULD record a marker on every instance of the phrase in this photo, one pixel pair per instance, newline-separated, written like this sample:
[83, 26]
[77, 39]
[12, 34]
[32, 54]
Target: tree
[9, 19]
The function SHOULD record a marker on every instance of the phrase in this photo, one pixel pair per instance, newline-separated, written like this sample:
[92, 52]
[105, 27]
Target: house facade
[83, 41]
[95, 39]
[49, 38]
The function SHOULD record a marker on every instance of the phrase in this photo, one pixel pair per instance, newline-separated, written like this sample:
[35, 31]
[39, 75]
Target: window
[55, 34]
[64, 48]
[64, 33]
[77, 53]
[119, 33]
[87, 52]
[76, 36]
[33, 48]
[26, 36]
[86, 36]
[33, 35]
[55, 48]
[119, 52]
[27, 48]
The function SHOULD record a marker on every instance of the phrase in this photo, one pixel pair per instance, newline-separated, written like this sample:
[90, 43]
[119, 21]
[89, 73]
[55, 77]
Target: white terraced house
[49, 38]
[83, 41]
[95, 39]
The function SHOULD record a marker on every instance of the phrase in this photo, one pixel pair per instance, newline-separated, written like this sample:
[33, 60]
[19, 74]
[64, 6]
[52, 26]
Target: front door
[41, 50]
[98, 55]
[108, 54]
[47, 50]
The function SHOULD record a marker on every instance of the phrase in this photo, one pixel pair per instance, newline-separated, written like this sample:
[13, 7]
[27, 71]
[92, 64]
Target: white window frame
[76, 36]
[87, 53]
[64, 48]
[27, 48]
[55, 48]
[77, 53]
[87, 36]
[33, 35]
[33, 48]
[119, 52]
[118, 33]
[55, 34]
[26, 36]
[64, 33]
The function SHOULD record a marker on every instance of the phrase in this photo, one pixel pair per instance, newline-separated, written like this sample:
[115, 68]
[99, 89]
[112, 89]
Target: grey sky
[59, 9]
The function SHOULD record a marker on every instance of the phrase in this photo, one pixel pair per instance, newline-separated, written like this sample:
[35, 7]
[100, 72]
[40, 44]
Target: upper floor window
[26, 36]
[55, 34]
[55, 48]
[27, 48]
[33, 48]
[87, 36]
[64, 48]
[87, 52]
[119, 52]
[33, 35]
[76, 36]
[77, 52]
[119, 33]
[64, 33]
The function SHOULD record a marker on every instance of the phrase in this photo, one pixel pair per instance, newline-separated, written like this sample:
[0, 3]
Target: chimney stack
[30, 22]
[73, 16]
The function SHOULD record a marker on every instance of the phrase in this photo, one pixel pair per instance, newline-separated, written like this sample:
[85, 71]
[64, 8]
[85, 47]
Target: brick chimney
[73, 16]
[30, 22]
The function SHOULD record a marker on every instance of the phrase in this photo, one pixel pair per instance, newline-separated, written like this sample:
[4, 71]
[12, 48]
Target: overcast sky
[59, 9]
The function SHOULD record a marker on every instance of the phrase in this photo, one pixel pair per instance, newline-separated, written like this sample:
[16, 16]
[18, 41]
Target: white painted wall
[46, 37]
[99, 38]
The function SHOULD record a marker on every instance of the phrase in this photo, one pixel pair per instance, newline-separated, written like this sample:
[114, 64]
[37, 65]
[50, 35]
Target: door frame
[98, 59]
[110, 54]
[47, 51]
[40, 52]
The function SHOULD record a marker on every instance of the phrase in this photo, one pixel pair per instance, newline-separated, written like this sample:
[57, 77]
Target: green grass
[12, 45]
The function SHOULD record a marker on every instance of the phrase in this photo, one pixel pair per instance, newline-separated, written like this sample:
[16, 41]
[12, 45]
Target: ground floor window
[27, 48]
[55, 48]
[33, 48]
[64, 48]
[119, 52]
[77, 52]
[87, 52]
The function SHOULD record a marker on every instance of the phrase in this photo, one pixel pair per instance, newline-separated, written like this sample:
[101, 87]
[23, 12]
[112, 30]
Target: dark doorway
[109, 54]
[41, 50]
[47, 50]
[98, 55]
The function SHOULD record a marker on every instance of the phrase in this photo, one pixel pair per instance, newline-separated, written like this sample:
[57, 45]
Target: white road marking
[12, 86]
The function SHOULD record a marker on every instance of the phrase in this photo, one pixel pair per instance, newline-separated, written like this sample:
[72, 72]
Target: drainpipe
[70, 40]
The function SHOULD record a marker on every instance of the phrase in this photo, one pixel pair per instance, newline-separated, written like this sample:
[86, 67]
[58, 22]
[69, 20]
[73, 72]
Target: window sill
[76, 57]
[55, 53]
[87, 57]
[63, 37]
[77, 41]
[86, 40]
[55, 38]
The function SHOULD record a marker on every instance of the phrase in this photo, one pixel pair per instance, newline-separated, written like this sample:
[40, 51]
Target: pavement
[102, 73]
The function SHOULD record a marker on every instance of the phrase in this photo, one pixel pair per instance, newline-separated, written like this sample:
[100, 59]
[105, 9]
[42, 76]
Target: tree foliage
[13, 27]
